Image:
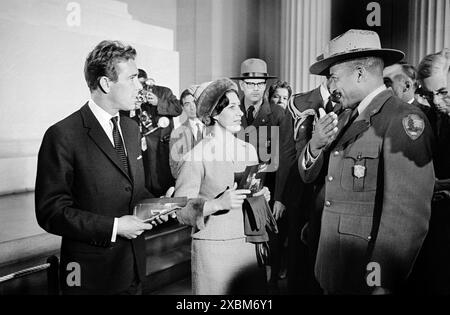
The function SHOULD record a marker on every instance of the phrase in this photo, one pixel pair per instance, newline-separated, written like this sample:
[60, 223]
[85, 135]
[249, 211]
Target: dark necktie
[250, 117]
[329, 106]
[118, 144]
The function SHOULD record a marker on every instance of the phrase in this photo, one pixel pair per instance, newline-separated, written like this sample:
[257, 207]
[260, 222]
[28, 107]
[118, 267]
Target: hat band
[255, 74]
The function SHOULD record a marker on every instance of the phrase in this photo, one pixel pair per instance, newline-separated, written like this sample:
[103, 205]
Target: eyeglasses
[429, 95]
[259, 85]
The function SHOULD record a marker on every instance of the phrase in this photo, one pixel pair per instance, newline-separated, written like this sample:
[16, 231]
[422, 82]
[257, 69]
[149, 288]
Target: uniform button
[336, 153]
[302, 127]
[330, 178]
[369, 237]
[327, 203]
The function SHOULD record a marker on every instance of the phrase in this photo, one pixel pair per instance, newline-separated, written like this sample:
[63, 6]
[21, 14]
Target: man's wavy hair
[103, 59]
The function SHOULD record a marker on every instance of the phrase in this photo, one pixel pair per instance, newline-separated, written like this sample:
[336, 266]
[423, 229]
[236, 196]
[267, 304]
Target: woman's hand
[232, 198]
[265, 191]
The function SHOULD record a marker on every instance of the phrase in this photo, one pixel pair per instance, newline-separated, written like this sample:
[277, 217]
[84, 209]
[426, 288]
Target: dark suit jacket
[81, 186]
[158, 177]
[263, 138]
[377, 183]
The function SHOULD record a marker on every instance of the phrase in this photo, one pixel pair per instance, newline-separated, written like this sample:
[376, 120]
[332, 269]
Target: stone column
[305, 30]
[429, 29]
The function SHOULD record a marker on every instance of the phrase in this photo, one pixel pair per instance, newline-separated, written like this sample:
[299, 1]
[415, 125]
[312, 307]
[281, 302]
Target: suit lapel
[363, 121]
[263, 115]
[98, 136]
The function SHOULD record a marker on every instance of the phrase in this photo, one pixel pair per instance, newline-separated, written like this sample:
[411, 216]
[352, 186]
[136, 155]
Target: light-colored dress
[222, 261]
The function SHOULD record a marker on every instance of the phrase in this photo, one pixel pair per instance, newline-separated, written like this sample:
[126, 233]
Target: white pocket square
[139, 157]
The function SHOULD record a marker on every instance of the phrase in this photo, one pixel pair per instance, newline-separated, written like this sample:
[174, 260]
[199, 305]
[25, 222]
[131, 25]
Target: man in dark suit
[432, 270]
[374, 173]
[259, 117]
[155, 118]
[187, 135]
[261, 121]
[292, 194]
[90, 176]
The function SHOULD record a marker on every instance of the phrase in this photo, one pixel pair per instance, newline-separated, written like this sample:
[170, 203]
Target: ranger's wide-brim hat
[253, 68]
[354, 44]
[211, 95]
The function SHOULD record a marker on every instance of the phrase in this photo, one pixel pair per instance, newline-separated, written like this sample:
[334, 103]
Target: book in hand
[253, 178]
[153, 208]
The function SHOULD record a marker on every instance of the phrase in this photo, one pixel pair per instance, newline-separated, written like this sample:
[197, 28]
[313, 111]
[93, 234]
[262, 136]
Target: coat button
[330, 178]
[327, 203]
[369, 237]
[336, 153]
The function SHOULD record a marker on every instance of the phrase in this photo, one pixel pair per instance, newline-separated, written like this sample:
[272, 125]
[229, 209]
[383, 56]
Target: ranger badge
[413, 125]
[359, 171]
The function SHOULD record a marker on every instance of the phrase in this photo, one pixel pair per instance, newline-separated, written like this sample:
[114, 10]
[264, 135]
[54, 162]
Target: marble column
[429, 28]
[305, 30]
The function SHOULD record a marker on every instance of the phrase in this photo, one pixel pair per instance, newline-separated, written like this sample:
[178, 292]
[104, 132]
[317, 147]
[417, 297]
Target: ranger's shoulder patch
[414, 126]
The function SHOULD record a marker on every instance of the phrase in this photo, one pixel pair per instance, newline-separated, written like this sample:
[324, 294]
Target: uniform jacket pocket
[358, 226]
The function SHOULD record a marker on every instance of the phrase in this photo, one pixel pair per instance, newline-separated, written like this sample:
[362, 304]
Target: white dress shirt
[195, 125]
[104, 119]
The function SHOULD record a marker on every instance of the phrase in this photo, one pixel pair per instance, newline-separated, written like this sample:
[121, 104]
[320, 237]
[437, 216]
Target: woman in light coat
[222, 261]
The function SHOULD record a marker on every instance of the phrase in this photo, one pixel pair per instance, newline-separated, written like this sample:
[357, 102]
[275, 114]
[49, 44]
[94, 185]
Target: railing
[51, 266]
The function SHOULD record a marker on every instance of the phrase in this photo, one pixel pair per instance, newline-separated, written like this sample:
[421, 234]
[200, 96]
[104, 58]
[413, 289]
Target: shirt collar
[411, 101]
[195, 122]
[257, 107]
[369, 98]
[102, 116]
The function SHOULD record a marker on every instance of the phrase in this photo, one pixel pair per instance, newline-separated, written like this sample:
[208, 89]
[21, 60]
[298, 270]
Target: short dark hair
[103, 59]
[142, 74]
[409, 70]
[431, 64]
[222, 103]
[279, 85]
[185, 93]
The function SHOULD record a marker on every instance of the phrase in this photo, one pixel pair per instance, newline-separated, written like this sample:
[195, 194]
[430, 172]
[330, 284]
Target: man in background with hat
[259, 116]
[373, 171]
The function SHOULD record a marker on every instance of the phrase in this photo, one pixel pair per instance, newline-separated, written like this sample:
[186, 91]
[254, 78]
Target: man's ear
[104, 84]
[360, 72]
[407, 87]
[241, 85]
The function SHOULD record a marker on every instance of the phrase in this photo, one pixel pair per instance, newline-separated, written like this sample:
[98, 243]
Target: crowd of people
[352, 178]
